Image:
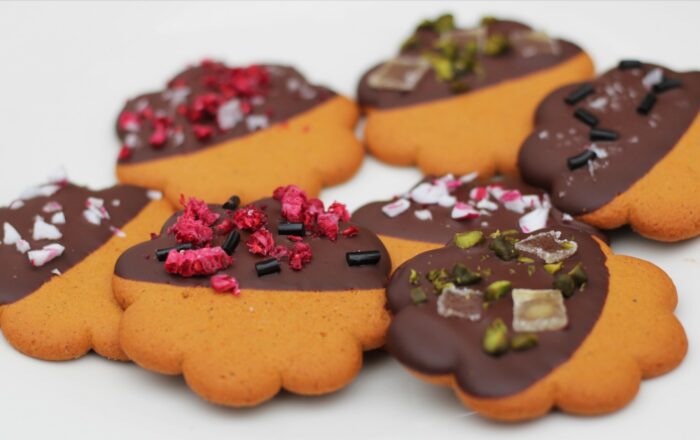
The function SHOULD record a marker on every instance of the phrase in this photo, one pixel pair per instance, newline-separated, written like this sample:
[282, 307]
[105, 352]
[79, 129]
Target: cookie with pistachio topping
[520, 324]
[457, 100]
[245, 300]
[59, 245]
[429, 214]
[216, 129]
[622, 149]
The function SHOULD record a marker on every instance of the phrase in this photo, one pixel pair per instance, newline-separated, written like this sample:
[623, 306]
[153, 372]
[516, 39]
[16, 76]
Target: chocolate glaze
[442, 227]
[430, 344]
[643, 139]
[327, 271]
[18, 278]
[497, 69]
[279, 104]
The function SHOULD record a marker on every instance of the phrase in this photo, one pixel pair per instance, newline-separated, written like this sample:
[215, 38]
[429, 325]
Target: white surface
[65, 70]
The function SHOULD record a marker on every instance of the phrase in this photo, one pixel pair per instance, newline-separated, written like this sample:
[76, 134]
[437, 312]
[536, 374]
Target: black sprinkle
[267, 267]
[162, 254]
[362, 258]
[580, 159]
[291, 229]
[231, 242]
[232, 203]
[647, 103]
[578, 94]
[667, 84]
[585, 117]
[629, 64]
[601, 134]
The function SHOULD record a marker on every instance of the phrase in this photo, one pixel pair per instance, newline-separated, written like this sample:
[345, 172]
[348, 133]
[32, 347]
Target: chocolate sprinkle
[580, 159]
[231, 242]
[291, 229]
[162, 254]
[578, 94]
[601, 134]
[629, 64]
[647, 103]
[586, 117]
[667, 84]
[232, 203]
[267, 267]
[362, 258]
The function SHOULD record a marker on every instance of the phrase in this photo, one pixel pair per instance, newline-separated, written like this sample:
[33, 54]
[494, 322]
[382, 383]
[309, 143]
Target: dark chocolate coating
[280, 104]
[327, 270]
[431, 344]
[18, 278]
[496, 69]
[442, 227]
[643, 139]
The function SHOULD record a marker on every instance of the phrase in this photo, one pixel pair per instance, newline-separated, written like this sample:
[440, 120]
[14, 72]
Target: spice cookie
[245, 301]
[215, 130]
[622, 149]
[428, 216]
[59, 246]
[519, 324]
[457, 100]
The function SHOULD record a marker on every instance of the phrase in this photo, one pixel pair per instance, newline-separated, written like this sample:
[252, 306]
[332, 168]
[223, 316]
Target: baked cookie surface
[519, 324]
[291, 301]
[619, 148]
[443, 101]
[260, 125]
[427, 216]
[60, 243]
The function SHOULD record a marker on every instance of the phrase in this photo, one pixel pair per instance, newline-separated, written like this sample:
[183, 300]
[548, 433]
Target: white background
[65, 70]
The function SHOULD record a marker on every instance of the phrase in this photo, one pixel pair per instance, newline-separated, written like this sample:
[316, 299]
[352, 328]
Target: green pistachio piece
[495, 340]
[410, 42]
[497, 290]
[465, 240]
[510, 232]
[437, 273]
[503, 248]
[526, 260]
[418, 295]
[565, 283]
[413, 277]
[568, 245]
[523, 341]
[444, 23]
[487, 20]
[486, 272]
[443, 68]
[496, 44]
[425, 24]
[579, 275]
[463, 276]
[531, 270]
[447, 48]
[553, 268]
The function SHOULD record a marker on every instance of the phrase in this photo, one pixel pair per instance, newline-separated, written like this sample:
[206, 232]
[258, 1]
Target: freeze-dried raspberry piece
[190, 230]
[340, 210]
[260, 242]
[351, 231]
[249, 217]
[199, 210]
[204, 261]
[223, 283]
[299, 256]
[312, 208]
[328, 225]
[279, 251]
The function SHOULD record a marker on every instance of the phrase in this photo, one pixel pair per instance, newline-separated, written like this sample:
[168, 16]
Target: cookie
[458, 100]
[520, 324]
[281, 293]
[59, 245]
[215, 130]
[428, 215]
[622, 149]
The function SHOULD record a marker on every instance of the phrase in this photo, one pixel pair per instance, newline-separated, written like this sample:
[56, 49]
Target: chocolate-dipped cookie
[245, 300]
[215, 130]
[59, 245]
[457, 100]
[622, 149]
[428, 215]
[519, 324]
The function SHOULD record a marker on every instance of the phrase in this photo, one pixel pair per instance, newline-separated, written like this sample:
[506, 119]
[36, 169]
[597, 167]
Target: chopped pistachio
[447, 48]
[497, 290]
[495, 340]
[531, 270]
[410, 43]
[463, 276]
[487, 20]
[437, 273]
[565, 283]
[413, 277]
[443, 67]
[496, 44]
[418, 295]
[578, 275]
[486, 272]
[526, 260]
[465, 240]
[523, 341]
[503, 248]
[495, 234]
[441, 284]
[510, 232]
[444, 23]
[553, 268]
[568, 245]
